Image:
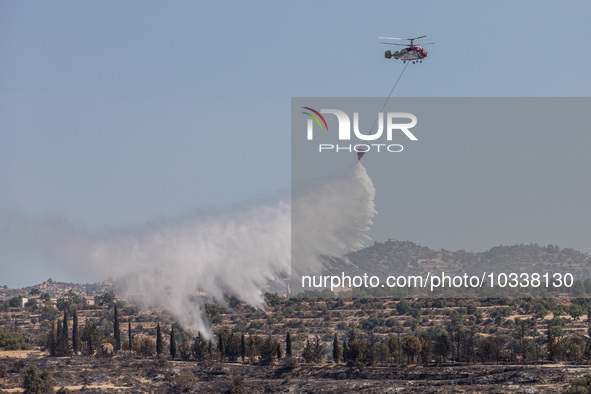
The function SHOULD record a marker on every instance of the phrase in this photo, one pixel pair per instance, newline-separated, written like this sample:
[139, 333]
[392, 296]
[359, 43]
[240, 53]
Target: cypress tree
[222, 343]
[243, 347]
[116, 331]
[337, 350]
[551, 348]
[59, 342]
[288, 345]
[129, 332]
[158, 340]
[65, 345]
[345, 351]
[90, 345]
[210, 349]
[172, 343]
[52, 340]
[75, 334]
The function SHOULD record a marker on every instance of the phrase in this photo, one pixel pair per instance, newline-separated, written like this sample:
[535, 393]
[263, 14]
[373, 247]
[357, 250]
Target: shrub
[144, 318]
[10, 340]
[581, 385]
[17, 366]
[237, 384]
[185, 382]
[37, 383]
[161, 361]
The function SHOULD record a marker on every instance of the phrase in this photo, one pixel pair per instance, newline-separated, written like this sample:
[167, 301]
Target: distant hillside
[59, 289]
[398, 258]
[407, 257]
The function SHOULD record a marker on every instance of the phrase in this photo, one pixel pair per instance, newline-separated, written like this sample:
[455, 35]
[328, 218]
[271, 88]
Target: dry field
[123, 374]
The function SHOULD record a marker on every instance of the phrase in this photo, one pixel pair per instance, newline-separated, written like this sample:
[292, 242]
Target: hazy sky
[117, 113]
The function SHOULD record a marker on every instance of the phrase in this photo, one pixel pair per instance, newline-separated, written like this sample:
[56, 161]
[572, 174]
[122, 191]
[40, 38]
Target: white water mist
[238, 251]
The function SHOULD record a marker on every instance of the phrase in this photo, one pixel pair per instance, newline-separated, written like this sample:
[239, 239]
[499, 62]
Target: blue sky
[117, 113]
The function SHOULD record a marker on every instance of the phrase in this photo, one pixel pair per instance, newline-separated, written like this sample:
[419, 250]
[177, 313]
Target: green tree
[454, 329]
[273, 299]
[554, 335]
[576, 311]
[487, 349]
[159, 341]
[403, 307]
[288, 351]
[65, 340]
[242, 346]
[13, 340]
[411, 346]
[63, 304]
[354, 349]
[279, 351]
[148, 347]
[185, 350]
[15, 302]
[60, 350]
[75, 334]
[223, 342]
[116, 331]
[337, 350]
[48, 313]
[581, 385]
[52, 339]
[172, 343]
[394, 347]
[73, 297]
[268, 350]
[442, 347]
[229, 344]
[129, 333]
[372, 350]
[107, 299]
[91, 337]
[318, 349]
[199, 347]
[427, 349]
[307, 352]
[575, 352]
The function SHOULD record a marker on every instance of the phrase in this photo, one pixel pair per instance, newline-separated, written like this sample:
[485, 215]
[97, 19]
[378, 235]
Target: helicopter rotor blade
[405, 39]
[392, 43]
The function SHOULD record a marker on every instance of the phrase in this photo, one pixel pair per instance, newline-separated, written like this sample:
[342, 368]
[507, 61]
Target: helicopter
[413, 53]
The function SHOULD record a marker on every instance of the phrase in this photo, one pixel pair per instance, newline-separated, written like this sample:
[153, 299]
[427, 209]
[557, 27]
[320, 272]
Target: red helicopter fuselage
[409, 53]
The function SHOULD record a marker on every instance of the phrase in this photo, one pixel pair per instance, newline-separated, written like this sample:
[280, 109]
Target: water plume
[169, 263]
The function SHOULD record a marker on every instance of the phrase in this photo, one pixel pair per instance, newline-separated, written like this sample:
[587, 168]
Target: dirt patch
[21, 353]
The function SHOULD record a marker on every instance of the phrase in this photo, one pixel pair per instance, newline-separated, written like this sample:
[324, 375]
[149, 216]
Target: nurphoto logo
[390, 125]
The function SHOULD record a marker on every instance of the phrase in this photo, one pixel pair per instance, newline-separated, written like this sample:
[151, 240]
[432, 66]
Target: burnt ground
[134, 375]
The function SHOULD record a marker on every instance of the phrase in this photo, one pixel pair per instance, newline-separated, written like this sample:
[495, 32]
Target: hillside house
[30, 301]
